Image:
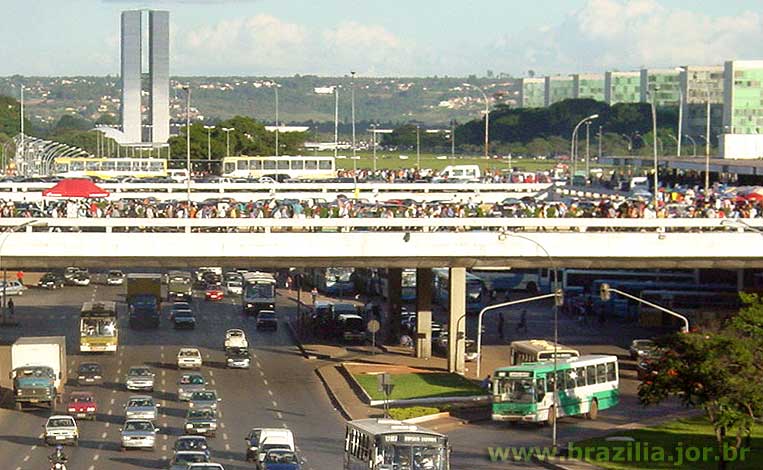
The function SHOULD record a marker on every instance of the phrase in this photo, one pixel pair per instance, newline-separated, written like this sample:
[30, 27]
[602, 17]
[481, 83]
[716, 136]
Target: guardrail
[389, 224]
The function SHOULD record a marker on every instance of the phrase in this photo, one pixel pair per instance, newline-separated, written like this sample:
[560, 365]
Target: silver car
[189, 383]
[141, 407]
[182, 459]
[204, 399]
[201, 421]
[138, 434]
[140, 378]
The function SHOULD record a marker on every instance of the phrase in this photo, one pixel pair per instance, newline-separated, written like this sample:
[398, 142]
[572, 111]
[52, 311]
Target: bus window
[77, 165]
[143, 165]
[297, 164]
[580, 371]
[601, 373]
[108, 165]
[611, 371]
[255, 164]
[156, 166]
[269, 165]
[283, 164]
[324, 164]
[124, 166]
[591, 374]
[242, 165]
[62, 167]
[230, 167]
[570, 379]
[311, 164]
[92, 166]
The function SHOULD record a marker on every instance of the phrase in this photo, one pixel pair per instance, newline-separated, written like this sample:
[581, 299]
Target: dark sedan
[267, 320]
[89, 373]
[51, 281]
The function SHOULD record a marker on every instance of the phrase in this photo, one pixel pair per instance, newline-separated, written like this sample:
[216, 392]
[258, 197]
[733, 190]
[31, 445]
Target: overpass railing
[383, 225]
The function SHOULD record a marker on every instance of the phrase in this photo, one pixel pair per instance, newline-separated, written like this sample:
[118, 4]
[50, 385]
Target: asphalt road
[279, 390]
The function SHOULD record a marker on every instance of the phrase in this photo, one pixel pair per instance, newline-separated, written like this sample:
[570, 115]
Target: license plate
[202, 429]
[34, 400]
[60, 438]
[89, 380]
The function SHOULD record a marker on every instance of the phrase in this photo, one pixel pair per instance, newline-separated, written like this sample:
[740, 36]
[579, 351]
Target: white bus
[476, 290]
[293, 167]
[585, 385]
[502, 279]
[78, 167]
[586, 277]
[537, 350]
[388, 444]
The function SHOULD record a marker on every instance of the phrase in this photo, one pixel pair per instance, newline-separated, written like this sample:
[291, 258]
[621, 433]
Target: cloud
[618, 34]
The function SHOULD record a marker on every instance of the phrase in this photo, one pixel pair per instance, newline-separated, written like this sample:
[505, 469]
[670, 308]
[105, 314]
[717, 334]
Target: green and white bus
[586, 384]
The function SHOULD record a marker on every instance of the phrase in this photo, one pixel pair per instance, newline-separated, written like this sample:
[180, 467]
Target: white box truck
[38, 370]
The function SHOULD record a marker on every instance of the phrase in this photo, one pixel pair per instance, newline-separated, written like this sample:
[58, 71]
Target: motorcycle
[58, 459]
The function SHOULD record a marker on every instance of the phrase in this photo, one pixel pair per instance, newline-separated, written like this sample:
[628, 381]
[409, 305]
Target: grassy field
[426, 385]
[680, 440]
[386, 160]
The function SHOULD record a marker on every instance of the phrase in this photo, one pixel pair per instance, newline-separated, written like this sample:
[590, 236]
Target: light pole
[605, 292]
[693, 143]
[707, 133]
[209, 142]
[452, 139]
[354, 149]
[23, 147]
[680, 121]
[278, 125]
[574, 137]
[654, 143]
[587, 148]
[630, 142]
[227, 131]
[418, 147]
[373, 131]
[487, 116]
[336, 121]
[187, 89]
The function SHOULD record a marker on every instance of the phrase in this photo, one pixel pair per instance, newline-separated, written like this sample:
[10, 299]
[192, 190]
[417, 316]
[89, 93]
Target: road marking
[227, 446]
[225, 436]
[279, 414]
[103, 435]
[265, 381]
[270, 392]
[259, 365]
[107, 424]
[92, 467]
[112, 401]
[34, 447]
[119, 371]
[212, 381]
[110, 412]
[262, 374]
[96, 457]
[164, 447]
[275, 404]
[26, 459]
[211, 373]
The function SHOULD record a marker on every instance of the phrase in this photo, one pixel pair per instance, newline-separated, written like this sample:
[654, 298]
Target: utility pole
[354, 149]
[600, 134]
[452, 138]
[418, 147]
[587, 148]
[336, 120]
[23, 149]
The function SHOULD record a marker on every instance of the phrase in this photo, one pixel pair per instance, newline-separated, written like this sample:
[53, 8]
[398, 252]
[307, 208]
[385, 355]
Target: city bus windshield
[98, 327]
[516, 390]
[260, 291]
[413, 457]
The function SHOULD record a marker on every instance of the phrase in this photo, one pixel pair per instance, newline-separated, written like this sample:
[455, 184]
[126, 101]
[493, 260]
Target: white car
[115, 278]
[138, 434]
[61, 429]
[235, 338]
[12, 287]
[189, 358]
[205, 466]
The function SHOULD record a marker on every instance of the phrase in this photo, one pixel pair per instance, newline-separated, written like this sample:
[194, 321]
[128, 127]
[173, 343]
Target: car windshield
[183, 313]
[81, 399]
[260, 290]
[190, 458]
[643, 343]
[89, 368]
[200, 414]
[139, 426]
[190, 444]
[141, 402]
[192, 380]
[280, 457]
[115, 274]
[189, 353]
[139, 372]
[204, 396]
[60, 422]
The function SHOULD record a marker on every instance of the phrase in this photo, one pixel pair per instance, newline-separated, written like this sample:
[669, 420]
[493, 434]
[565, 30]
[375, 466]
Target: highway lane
[282, 391]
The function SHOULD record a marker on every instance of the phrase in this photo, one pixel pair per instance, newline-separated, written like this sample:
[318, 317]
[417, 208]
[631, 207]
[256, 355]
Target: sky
[389, 38]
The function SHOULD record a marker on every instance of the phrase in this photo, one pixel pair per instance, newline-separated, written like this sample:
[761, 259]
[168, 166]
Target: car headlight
[188, 426]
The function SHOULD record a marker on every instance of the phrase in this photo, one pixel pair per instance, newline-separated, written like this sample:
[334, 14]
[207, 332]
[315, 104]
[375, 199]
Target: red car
[214, 294]
[82, 405]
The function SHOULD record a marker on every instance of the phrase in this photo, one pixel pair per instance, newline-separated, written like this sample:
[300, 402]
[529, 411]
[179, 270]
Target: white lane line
[119, 371]
[259, 365]
[225, 436]
[26, 459]
[164, 447]
[227, 446]
[34, 447]
[265, 381]
[270, 392]
[112, 401]
[96, 457]
[279, 414]
[92, 467]
[211, 373]
[222, 425]
[262, 374]
[212, 381]
[107, 425]
[103, 435]
[275, 404]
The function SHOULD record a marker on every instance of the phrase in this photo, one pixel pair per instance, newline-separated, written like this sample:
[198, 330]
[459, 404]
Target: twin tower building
[155, 127]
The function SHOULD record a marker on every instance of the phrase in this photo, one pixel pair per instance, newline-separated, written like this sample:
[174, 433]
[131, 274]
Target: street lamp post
[587, 148]
[418, 147]
[693, 144]
[487, 116]
[452, 139]
[227, 131]
[187, 89]
[630, 142]
[654, 143]
[278, 125]
[354, 149]
[336, 121]
[605, 290]
[209, 141]
[574, 137]
[373, 131]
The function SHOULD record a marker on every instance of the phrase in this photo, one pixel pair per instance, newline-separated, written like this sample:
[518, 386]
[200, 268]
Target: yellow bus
[98, 328]
[77, 167]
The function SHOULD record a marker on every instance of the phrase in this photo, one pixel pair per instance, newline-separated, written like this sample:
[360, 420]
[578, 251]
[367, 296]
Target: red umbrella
[75, 187]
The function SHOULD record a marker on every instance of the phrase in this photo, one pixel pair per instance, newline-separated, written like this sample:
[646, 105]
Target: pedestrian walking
[487, 383]
[314, 294]
[11, 308]
[522, 325]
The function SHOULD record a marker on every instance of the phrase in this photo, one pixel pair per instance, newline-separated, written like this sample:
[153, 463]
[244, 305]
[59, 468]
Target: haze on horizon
[396, 38]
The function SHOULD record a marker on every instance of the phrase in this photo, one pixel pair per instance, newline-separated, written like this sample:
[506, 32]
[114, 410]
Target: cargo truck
[38, 370]
[144, 299]
[179, 286]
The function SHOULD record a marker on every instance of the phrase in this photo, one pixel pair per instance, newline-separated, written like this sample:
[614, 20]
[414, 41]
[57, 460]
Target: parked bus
[525, 392]
[476, 291]
[293, 167]
[502, 279]
[387, 444]
[538, 350]
[98, 327]
[78, 167]
[586, 277]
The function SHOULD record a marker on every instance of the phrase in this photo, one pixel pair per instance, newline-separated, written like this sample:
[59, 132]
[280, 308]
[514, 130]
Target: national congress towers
[156, 128]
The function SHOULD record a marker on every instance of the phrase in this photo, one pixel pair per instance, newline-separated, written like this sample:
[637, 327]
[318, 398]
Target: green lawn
[694, 433]
[420, 386]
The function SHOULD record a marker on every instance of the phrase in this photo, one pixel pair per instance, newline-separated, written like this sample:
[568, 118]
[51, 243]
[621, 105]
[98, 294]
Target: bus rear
[98, 327]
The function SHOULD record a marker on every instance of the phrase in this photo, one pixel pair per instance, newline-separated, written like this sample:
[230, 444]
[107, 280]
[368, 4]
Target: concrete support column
[394, 292]
[457, 320]
[423, 313]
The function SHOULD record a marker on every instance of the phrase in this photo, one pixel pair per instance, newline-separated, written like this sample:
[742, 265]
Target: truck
[179, 286]
[38, 370]
[144, 299]
[259, 293]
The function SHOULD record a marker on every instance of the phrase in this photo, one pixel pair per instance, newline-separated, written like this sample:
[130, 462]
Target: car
[189, 358]
[12, 288]
[140, 378]
[115, 278]
[640, 348]
[138, 434]
[61, 429]
[238, 358]
[214, 293]
[267, 319]
[141, 407]
[261, 440]
[191, 443]
[82, 405]
[189, 383]
[281, 459]
[182, 459]
[201, 421]
[204, 399]
[81, 279]
[235, 338]
[183, 319]
[51, 281]
[205, 466]
[234, 287]
[89, 373]
[71, 271]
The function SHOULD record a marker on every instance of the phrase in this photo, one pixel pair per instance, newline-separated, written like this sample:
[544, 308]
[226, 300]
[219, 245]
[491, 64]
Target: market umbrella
[75, 188]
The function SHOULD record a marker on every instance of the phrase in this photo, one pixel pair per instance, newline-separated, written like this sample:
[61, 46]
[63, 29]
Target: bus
[78, 167]
[337, 281]
[525, 392]
[538, 350]
[98, 327]
[532, 281]
[258, 293]
[293, 167]
[388, 444]
[584, 278]
[476, 290]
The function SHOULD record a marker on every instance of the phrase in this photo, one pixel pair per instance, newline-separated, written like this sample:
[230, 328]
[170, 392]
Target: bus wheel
[551, 415]
[593, 411]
